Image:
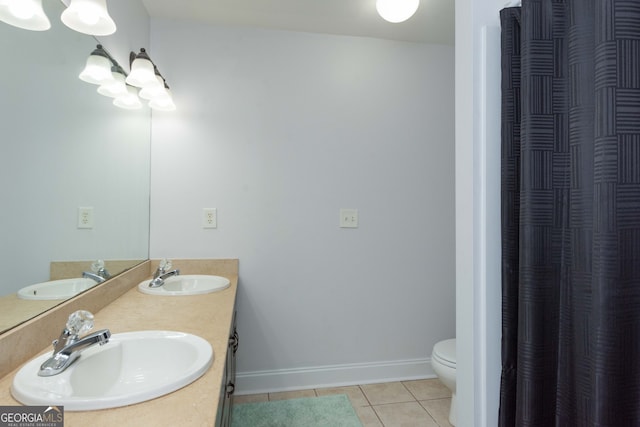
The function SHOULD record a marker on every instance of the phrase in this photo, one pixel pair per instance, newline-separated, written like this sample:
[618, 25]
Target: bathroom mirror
[64, 147]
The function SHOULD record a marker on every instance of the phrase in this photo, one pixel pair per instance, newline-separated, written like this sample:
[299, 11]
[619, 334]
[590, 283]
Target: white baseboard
[332, 376]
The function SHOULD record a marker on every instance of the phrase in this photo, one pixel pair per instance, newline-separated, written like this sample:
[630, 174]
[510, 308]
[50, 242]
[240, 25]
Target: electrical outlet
[209, 218]
[348, 218]
[85, 217]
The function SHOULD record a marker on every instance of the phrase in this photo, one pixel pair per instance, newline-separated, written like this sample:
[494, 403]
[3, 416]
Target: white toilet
[443, 361]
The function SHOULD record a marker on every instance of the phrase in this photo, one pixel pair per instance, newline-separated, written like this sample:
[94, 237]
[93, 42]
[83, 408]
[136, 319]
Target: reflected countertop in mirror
[64, 147]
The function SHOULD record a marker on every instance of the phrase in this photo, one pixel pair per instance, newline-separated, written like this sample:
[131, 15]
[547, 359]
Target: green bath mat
[325, 411]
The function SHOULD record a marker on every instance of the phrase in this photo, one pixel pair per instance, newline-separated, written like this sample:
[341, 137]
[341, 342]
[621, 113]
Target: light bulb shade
[98, 68]
[128, 101]
[154, 91]
[397, 10]
[89, 17]
[26, 14]
[142, 71]
[114, 88]
[163, 103]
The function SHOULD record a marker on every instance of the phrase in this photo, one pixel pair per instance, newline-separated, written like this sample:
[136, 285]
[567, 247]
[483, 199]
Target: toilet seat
[445, 352]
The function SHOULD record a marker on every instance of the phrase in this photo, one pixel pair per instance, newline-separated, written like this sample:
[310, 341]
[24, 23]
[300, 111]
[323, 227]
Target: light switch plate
[348, 218]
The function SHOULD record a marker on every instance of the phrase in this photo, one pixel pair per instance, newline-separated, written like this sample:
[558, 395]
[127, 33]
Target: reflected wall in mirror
[64, 146]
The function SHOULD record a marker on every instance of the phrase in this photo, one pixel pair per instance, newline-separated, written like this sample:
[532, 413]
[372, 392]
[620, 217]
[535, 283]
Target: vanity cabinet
[223, 417]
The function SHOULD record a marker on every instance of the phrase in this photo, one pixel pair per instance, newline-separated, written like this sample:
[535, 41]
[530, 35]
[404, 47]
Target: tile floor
[419, 403]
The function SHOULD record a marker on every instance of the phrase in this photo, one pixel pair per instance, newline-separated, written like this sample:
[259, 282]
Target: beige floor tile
[281, 395]
[368, 416]
[394, 392]
[439, 410]
[407, 414]
[251, 398]
[427, 389]
[353, 392]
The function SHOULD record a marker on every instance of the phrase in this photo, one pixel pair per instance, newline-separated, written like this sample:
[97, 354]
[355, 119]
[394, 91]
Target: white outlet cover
[348, 218]
[209, 218]
[85, 217]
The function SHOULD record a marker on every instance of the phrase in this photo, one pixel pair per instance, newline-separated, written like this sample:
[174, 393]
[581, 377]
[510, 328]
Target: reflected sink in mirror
[131, 368]
[189, 284]
[56, 289]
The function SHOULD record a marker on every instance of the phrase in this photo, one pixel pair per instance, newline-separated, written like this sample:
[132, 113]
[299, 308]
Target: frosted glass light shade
[25, 14]
[115, 87]
[89, 17]
[128, 101]
[142, 71]
[163, 103]
[397, 10]
[153, 91]
[97, 69]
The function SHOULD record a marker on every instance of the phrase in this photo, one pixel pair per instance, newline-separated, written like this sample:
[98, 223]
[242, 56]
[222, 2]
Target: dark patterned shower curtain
[571, 213]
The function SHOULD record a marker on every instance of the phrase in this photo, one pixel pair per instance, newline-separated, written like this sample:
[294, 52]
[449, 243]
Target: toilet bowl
[443, 361]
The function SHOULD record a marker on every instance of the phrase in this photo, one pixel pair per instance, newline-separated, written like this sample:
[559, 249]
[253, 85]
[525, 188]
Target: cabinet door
[229, 380]
[230, 367]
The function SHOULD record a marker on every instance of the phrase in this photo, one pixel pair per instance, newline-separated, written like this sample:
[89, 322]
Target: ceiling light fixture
[25, 14]
[89, 17]
[397, 10]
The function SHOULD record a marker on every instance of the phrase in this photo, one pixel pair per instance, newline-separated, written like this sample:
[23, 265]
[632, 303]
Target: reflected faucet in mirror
[98, 272]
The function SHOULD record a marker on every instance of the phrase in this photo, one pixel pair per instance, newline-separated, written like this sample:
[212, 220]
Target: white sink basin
[131, 368]
[193, 284]
[56, 289]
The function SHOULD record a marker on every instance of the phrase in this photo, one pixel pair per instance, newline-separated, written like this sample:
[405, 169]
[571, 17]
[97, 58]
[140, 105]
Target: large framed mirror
[64, 147]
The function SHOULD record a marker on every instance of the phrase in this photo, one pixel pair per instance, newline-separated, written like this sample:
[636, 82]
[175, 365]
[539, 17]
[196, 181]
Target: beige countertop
[208, 316]
[15, 310]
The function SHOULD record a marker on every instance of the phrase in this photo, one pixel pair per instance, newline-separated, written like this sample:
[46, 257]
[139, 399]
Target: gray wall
[278, 131]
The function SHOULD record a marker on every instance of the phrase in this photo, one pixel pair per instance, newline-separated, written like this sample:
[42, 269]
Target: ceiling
[432, 23]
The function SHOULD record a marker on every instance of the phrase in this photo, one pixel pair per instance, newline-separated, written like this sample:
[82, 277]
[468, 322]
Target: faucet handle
[97, 265]
[165, 264]
[79, 322]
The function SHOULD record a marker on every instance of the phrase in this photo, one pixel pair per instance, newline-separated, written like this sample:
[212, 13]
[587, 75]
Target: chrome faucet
[68, 347]
[100, 274]
[162, 274]
[94, 276]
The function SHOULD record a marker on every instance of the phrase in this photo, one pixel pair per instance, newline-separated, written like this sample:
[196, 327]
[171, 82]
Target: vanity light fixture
[116, 87]
[145, 75]
[150, 92]
[164, 102]
[397, 10]
[26, 14]
[129, 100]
[98, 67]
[85, 16]
[89, 17]
[142, 70]
[103, 70]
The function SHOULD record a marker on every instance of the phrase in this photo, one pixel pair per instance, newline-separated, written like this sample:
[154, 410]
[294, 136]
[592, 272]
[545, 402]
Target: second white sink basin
[56, 289]
[188, 284]
[132, 367]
